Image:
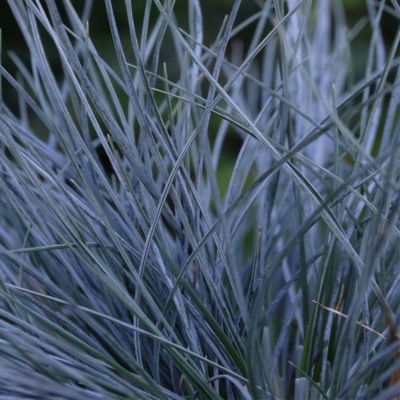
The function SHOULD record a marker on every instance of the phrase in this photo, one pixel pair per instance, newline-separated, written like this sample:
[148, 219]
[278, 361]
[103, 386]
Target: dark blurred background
[213, 13]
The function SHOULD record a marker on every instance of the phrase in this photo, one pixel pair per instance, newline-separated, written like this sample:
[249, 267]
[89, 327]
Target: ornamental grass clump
[183, 218]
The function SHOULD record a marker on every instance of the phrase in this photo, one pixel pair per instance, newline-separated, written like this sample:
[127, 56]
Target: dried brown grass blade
[335, 311]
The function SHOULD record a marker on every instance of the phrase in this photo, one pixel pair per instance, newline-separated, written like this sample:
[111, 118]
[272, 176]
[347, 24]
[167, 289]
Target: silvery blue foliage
[183, 219]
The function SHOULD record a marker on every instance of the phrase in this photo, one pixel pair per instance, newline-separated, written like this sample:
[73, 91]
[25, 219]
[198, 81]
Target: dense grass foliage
[184, 219]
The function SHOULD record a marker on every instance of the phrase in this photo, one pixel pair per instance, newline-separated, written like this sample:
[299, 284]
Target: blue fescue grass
[129, 270]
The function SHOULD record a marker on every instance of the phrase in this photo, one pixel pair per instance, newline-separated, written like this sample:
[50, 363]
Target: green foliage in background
[193, 217]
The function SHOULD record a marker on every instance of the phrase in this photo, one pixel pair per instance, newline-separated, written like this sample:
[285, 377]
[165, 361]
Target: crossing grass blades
[183, 218]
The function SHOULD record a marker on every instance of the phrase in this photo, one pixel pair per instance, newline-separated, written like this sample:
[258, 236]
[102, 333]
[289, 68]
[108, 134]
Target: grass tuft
[183, 218]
